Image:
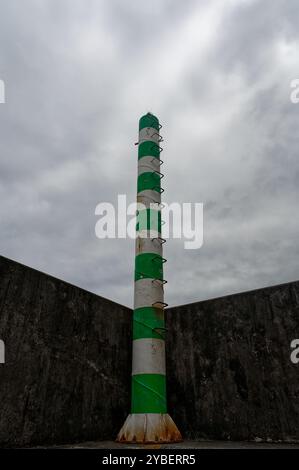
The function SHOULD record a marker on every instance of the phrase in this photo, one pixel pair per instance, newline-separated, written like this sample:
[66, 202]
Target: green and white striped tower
[149, 421]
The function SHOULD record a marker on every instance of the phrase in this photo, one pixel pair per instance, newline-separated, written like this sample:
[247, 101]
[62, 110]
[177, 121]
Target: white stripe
[148, 165]
[147, 293]
[149, 133]
[148, 356]
[148, 197]
[148, 234]
[147, 242]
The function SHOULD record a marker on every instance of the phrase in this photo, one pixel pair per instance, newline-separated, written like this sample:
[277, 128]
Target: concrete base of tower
[149, 428]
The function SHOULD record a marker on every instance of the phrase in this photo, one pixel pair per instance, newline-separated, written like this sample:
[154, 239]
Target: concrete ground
[184, 445]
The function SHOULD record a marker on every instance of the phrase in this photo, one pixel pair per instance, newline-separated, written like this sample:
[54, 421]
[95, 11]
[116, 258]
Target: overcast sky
[78, 75]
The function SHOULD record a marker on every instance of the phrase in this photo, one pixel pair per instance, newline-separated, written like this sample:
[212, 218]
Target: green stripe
[149, 393]
[148, 322]
[149, 120]
[149, 219]
[148, 148]
[148, 266]
[148, 180]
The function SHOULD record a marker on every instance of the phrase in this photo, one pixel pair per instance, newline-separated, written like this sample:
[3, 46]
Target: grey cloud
[79, 74]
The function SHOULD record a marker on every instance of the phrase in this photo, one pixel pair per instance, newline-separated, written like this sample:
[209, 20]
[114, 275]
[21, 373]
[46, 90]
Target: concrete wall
[230, 371]
[68, 360]
[68, 363]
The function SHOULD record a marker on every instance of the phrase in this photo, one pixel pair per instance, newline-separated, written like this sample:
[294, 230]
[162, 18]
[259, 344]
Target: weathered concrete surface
[229, 369]
[182, 445]
[68, 360]
[68, 363]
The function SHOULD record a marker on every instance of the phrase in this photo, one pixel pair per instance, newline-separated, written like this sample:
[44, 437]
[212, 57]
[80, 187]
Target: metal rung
[160, 281]
[163, 304]
[160, 331]
[151, 199]
[164, 260]
[158, 173]
[156, 145]
[154, 122]
[160, 136]
[160, 190]
[151, 328]
[157, 160]
[160, 239]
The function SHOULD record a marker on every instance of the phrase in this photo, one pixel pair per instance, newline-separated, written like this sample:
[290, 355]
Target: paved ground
[184, 445]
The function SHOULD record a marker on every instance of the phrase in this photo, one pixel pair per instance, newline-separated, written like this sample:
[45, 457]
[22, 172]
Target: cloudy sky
[78, 75]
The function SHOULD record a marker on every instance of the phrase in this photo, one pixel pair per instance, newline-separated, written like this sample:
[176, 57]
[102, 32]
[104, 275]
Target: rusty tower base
[149, 428]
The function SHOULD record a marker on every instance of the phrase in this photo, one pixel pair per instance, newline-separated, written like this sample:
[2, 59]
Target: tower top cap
[149, 120]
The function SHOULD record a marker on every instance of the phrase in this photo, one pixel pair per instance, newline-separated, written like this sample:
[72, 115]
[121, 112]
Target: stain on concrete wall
[229, 369]
[67, 366]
